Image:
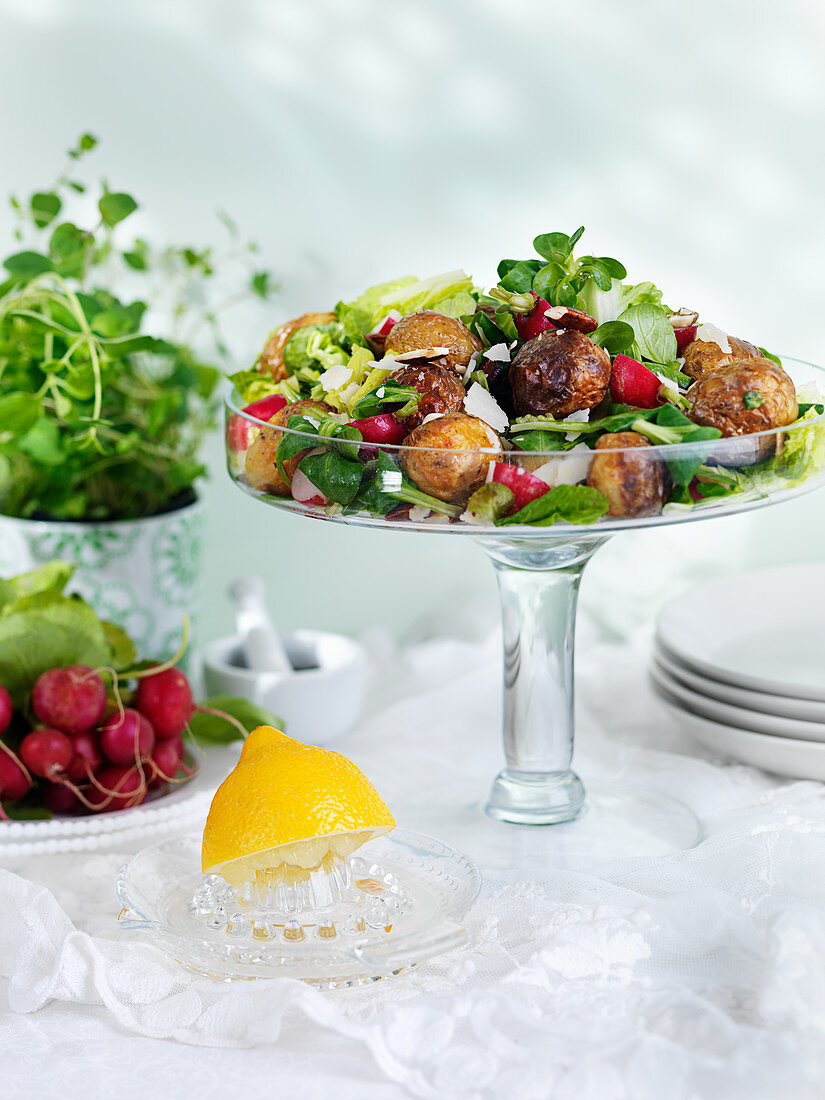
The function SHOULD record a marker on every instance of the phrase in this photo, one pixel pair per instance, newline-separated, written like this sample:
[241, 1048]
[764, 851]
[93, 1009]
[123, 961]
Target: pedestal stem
[538, 623]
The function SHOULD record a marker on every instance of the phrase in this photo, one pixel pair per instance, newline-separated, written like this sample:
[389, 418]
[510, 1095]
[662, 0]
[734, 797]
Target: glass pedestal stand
[538, 581]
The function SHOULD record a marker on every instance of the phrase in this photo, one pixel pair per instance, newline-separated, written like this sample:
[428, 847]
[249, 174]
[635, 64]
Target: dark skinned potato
[454, 474]
[271, 359]
[441, 389]
[704, 357]
[752, 395]
[428, 329]
[262, 472]
[559, 373]
[633, 481]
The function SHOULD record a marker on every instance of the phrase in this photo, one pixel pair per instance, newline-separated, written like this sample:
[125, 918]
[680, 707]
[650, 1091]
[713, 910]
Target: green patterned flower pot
[143, 574]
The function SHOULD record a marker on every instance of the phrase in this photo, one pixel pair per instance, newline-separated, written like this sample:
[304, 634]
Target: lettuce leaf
[451, 293]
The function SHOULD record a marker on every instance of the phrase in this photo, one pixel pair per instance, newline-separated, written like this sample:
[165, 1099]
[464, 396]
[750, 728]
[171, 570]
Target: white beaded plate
[175, 812]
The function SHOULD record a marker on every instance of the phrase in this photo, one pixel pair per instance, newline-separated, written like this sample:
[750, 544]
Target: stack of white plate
[740, 662]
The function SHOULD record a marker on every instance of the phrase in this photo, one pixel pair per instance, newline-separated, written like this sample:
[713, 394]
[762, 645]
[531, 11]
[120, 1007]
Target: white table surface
[699, 975]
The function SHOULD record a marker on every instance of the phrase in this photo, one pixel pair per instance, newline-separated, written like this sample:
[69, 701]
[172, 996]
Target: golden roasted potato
[632, 481]
[441, 389]
[271, 359]
[261, 469]
[704, 357]
[557, 373]
[457, 470]
[428, 329]
[751, 395]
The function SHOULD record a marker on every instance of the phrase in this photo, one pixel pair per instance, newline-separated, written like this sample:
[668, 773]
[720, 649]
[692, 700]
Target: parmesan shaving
[710, 334]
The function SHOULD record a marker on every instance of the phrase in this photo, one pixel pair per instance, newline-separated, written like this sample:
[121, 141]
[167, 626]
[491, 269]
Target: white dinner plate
[782, 755]
[763, 630]
[782, 705]
[748, 720]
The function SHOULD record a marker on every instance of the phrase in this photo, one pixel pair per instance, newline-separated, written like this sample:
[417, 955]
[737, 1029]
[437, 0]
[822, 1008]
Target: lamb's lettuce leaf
[565, 504]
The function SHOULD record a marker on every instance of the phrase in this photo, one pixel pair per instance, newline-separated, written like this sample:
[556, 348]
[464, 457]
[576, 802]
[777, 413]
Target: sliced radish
[304, 491]
[238, 427]
[684, 336]
[631, 383]
[520, 482]
[531, 324]
[385, 327]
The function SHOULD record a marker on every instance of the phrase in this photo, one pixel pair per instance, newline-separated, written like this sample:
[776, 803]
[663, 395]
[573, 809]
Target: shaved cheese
[581, 416]
[498, 353]
[335, 377]
[471, 366]
[430, 417]
[568, 469]
[418, 513]
[480, 403]
[710, 334]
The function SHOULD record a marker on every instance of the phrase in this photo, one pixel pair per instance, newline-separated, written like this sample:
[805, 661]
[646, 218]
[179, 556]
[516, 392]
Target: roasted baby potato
[558, 373]
[751, 395]
[452, 474]
[633, 481]
[261, 469]
[441, 389]
[271, 359]
[428, 329]
[705, 357]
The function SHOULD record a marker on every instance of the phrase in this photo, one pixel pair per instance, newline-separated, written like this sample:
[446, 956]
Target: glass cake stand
[538, 569]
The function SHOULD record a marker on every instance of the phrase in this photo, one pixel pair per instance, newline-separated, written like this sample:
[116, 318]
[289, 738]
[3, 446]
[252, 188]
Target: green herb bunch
[99, 419]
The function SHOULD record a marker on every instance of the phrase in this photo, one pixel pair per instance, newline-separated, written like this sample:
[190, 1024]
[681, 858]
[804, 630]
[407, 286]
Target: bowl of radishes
[99, 731]
[93, 748]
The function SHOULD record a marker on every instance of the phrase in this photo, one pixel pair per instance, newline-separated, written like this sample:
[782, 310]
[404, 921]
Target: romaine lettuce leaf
[451, 293]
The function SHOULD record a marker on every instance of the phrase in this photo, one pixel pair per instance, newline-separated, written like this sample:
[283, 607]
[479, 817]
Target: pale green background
[362, 140]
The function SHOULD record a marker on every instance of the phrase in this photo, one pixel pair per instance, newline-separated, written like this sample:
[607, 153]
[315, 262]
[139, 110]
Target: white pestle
[261, 644]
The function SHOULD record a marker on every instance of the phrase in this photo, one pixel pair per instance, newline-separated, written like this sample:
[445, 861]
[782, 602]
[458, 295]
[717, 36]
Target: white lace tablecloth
[700, 975]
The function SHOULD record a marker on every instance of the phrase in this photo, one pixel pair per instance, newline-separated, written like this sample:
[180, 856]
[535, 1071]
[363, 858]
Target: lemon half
[287, 806]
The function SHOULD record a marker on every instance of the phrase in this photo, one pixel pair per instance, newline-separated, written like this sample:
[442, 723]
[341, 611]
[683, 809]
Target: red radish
[46, 752]
[123, 788]
[684, 336]
[531, 324]
[165, 698]
[6, 709]
[165, 760]
[86, 758]
[379, 334]
[384, 428]
[238, 427]
[69, 699]
[14, 783]
[304, 491]
[631, 383]
[61, 799]
[524, 486]
[126, 738]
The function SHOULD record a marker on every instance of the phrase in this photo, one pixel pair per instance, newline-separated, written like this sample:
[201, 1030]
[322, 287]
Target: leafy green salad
[564, 393]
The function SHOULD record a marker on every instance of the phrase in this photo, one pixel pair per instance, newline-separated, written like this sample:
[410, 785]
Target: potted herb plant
[102, 414]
